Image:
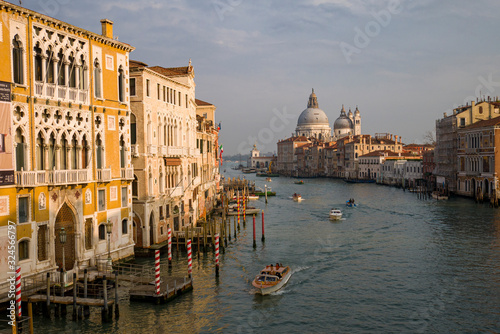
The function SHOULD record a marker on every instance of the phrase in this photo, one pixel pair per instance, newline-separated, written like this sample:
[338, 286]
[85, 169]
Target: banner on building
[6, 164]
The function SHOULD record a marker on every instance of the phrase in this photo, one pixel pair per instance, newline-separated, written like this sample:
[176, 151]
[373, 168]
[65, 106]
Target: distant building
[256, 161]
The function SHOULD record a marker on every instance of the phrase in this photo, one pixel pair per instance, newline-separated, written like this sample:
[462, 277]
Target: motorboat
[249, 197]
[250, 210]
[269, 179]
[296, 197]
[335, 214]
[299, 182]
[439, 196]
[272, 278]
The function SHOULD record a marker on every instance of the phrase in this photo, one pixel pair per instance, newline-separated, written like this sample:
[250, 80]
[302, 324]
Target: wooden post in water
[169, 247]
[190, 260]
[205, 236]
[265, 192]
[234, 220]
[198, 241]
[104, 313]
[74, 297]
[263, 233]
[254, 242]
[229, 228]
[30, 315]
[86, 308]
[117, 310]
[47, 304]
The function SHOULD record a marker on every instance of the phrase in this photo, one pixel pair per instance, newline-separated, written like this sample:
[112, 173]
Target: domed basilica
[313, 122]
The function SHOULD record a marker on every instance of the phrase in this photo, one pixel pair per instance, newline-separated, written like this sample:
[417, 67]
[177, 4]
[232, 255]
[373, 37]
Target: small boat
[335, 214]
[269, 179]
[299, 182]
[350, 203]
[439, 196]
[249, 197]
[250, 210]
[272, 278]
[296, 197]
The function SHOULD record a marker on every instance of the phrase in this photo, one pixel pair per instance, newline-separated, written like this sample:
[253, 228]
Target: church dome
[312, 115]
[343, 122]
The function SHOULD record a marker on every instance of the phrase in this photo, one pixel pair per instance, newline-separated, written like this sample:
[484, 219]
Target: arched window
[133, 129]
[63, 153]
[125, 226]
[122, 152]
[74, 161]
[24, 250]
[85, 153]
[102, 232]
[121, 84]
[52, 152]
[49, 76]
[72, 71]
[135, 187]
[20, 147]
[40, 163]
[82, 74]
[38, 63]
[97, 79]
[99, 152]
[17, 60]
[61, 70]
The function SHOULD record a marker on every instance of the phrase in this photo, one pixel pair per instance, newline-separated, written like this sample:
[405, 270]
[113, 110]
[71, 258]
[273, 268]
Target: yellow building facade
[69, 111]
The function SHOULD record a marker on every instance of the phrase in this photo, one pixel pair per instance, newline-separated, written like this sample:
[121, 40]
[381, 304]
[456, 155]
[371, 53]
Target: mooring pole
[254, 243]
[263, 233]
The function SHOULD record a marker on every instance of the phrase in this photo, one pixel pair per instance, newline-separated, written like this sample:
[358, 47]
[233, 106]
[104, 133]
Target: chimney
[107, 28]
[396, 141]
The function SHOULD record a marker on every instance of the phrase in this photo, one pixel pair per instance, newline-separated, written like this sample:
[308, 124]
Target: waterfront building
[206, 189]
[428, 166]
[65, 132]
[445, 153]
[330, 156]
[287, 159]
[260, 162]
[478, 166]
[174, 149]
[370, 164]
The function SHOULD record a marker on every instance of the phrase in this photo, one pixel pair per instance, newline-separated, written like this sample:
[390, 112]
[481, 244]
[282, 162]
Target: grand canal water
[394, 264]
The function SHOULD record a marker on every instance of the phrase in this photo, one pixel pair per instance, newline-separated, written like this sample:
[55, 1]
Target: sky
[403, 63]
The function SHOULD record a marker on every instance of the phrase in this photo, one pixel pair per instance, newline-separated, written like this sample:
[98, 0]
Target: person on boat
[277, 265]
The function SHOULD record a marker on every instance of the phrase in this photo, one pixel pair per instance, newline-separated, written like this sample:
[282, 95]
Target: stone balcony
[55, 177]
[63, 93]
[127, 173]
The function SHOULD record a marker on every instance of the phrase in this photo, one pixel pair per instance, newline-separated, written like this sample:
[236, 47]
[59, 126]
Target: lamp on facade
[62, 239]
[109, 227]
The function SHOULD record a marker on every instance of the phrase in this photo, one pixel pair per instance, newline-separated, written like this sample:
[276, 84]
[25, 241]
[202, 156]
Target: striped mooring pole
[157, 271]
[190, 260]
[18, 292]
[217, 255]
[238, 204]
[169, 247]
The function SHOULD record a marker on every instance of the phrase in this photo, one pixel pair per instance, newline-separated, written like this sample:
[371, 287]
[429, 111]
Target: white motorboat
[335, 214]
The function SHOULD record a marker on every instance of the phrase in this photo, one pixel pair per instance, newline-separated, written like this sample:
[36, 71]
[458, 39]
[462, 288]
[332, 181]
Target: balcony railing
[152, 149]
[83, 96]
[127, 173]
[50, 90]
[175, 192]
[61, 92]
[55, 177]
[164, 150]
[39, 88]
[104, 175]
[175, 151]
[73, 92]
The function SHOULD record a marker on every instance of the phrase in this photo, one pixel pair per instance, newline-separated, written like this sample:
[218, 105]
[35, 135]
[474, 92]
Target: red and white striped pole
[18, 292]
[244, 207]
[169, 247]
[157, 271]
[217, 255]
[190, 260]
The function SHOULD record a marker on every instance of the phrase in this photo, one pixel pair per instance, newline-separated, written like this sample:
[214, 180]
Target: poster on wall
[6, 165]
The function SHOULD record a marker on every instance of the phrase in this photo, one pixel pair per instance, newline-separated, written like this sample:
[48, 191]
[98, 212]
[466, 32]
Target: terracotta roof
[484, 124]
[172, 71]
[299, 138]
[136, 63]
[202, 103]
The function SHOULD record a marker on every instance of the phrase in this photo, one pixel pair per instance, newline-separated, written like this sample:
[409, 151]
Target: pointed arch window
[52, 152]
[61, 69]
[133, 129]
[135, 187]
[17, 60]
[20, 150]
[85, 153]
[63, 151]
[97, 79]
[38, 63]
[49, 76]
[74, 160]
[82, 74]
[99, 153]
[121, 84]
[122, 152]
[72, 72]
[40, 163]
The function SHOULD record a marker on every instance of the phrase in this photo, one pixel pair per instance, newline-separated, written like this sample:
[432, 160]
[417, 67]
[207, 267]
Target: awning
[173, 161]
